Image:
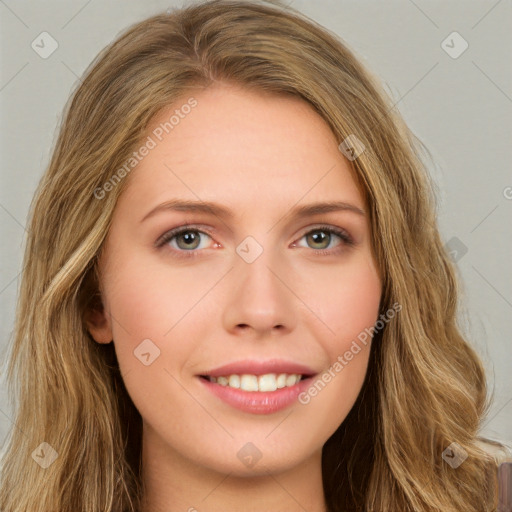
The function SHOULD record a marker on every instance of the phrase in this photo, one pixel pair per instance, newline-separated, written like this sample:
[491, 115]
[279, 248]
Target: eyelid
[341, 232]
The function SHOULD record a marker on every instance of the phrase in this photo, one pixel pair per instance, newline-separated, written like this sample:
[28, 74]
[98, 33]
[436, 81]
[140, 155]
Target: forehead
[242, 147]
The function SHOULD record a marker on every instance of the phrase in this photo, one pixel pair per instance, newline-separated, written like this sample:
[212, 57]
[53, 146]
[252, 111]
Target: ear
[98, 324]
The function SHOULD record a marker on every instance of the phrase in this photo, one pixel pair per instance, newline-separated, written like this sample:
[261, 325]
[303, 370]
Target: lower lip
[258, 402]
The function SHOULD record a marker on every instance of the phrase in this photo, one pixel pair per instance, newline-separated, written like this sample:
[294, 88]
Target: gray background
[461, 108]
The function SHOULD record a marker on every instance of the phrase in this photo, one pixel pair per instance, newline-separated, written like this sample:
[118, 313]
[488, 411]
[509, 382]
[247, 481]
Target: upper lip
[255, 367]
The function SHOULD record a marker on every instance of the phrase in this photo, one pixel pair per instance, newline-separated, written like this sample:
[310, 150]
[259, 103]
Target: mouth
[257, 394]
[258, 387]
[266, 383]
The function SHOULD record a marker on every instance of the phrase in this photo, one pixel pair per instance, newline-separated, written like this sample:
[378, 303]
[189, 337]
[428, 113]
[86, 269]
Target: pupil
[189, 238]
[319, 237]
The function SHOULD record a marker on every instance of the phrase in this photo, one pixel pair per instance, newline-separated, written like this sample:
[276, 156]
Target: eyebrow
[211, 208]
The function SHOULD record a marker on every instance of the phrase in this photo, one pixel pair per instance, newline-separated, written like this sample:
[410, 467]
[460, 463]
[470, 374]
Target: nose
[261, 300]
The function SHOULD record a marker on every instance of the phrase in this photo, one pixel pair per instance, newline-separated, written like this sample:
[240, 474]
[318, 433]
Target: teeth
[234, 381]
[267, 382]
[292, 380]
[281, 380]
[222, 381]
[249, 382]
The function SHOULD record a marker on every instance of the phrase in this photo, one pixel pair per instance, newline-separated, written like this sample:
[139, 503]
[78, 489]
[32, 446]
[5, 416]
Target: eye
[183, 239]
[321, 237]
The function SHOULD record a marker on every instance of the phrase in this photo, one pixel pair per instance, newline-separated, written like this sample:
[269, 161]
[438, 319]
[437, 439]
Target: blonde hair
[425, 386]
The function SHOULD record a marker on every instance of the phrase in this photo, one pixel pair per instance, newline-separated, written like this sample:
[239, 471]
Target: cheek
[168, 304]
[350, 311]
[148, 304]
[346, 300]
[355, 305]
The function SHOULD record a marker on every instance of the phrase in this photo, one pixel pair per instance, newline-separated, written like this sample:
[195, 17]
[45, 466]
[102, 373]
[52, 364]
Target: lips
[254, 367]
[257, 402]
[227, 383]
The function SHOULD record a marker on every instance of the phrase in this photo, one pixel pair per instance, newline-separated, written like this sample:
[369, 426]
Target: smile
[261, 383]
[257, 394]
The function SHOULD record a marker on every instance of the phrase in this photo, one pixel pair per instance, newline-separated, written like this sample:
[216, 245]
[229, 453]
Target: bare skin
[261, 156]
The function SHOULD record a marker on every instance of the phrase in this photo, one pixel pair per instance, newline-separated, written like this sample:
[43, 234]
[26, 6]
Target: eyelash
[169, 235]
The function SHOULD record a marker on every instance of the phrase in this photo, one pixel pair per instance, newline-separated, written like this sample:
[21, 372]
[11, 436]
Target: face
[211, 320]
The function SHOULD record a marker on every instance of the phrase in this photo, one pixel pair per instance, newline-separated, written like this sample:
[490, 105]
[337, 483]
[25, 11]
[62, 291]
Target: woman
[183, 342]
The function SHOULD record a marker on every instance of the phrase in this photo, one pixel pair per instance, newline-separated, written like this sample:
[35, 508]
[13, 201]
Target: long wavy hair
[425, 386]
